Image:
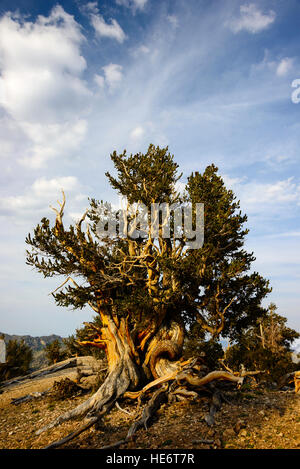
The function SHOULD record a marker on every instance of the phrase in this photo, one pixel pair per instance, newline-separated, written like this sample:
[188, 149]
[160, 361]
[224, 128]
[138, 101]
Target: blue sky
[210, 79]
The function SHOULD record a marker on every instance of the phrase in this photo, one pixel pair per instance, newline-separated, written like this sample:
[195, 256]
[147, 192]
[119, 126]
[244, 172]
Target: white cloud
[173, 20]
[111, 30]
[99, 80]
[279, 192]
[113, 75]
[279, 198]
[296, 345]
[133, 4]
[284, 66]
[137, 133]
[40, 84]
[140, 51]
[36, 199]
[279, 66]
[251, 19]
[40, 65]
[50, 140]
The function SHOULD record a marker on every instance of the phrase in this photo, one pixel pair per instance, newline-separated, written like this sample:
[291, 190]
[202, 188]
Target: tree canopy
[151, 279]
[143, 278]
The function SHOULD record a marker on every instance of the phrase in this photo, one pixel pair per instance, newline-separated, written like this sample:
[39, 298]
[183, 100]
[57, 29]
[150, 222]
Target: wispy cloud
[113, 75]
[41, 85]
[173, 20]
[252, 19]
[133, 4]
[35, 200]
[285, 66]
[71, 94]
[110, 30]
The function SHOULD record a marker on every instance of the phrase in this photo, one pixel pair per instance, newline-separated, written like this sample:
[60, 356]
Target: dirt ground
[256, 419]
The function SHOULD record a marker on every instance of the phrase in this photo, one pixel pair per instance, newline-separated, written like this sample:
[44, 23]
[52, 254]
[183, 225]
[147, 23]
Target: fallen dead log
[86, 366]
[71, 363]
[29, 397]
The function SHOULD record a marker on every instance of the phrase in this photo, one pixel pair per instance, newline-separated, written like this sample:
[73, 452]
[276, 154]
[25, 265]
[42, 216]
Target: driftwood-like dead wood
[73, 435]
[197, 382]
[111, 392]
[29, 397]
[159, 397]
[71, 363]
[289, 378]
[83, 364]
[122, 410]
[185, 393]
[154, 404]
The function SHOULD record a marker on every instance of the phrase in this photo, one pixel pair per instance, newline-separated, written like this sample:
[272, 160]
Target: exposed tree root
[213, 376]
[174, 385]
[154, 404]
[115, 385]
[73, 435]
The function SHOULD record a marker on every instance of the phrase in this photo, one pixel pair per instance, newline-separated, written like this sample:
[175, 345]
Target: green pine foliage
[18, 359]
[265, 346]
[55, 352]
[211, 286]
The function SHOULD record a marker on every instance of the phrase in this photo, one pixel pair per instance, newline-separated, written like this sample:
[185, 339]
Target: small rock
[243, 433]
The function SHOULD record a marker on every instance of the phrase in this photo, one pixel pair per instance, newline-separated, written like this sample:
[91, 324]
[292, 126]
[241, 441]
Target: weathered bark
[29, 397]
[290, 378]
[148, 360]
[164, 349]
[123, 375]
[52, 369]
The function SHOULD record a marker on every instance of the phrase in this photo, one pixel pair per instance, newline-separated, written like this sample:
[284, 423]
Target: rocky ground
[256, 419]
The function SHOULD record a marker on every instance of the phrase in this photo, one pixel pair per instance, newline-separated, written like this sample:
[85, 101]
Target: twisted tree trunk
[138, 363]
[131, 364]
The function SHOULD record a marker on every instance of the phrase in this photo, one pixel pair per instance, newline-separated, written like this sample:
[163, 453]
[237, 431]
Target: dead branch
[29, 397]
[73, 435]
[59, 213]
[213, 376]
[154, 404]
[70, 363]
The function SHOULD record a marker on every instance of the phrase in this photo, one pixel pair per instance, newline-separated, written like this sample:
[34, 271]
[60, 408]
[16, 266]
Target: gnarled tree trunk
[136, 364]
[131, 363]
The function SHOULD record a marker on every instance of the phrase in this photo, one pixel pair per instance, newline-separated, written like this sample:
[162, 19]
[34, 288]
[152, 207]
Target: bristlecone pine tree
[147, 291]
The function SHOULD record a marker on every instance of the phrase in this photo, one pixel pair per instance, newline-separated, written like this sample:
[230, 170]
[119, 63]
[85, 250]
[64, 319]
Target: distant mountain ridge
[35, 343]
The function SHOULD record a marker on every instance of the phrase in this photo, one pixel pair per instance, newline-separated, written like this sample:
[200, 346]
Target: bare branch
[60, 213]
